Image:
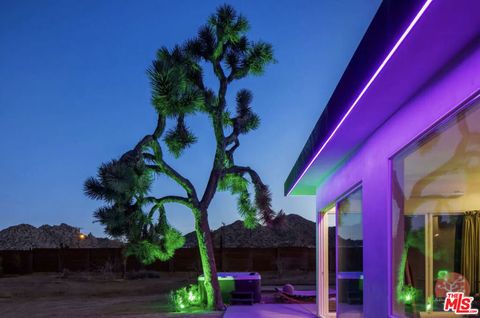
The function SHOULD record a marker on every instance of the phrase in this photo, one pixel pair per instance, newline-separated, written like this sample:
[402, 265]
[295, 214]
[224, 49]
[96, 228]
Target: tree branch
[263, 196]
[218, 70]
[256, 180]
[156, 134]
[170, 199]
[160, 165]
[231, 138]
[230, 152]
[217, 122]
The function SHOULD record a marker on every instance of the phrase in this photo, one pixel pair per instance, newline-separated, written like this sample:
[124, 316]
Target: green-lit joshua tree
[178, 91]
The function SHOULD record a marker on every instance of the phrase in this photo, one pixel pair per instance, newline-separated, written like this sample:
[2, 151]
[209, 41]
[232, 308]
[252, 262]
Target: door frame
[355, 188]
[322, 275]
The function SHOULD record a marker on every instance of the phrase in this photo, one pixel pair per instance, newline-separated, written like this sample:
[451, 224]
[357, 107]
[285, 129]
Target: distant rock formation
[295, 232]
[25, 237]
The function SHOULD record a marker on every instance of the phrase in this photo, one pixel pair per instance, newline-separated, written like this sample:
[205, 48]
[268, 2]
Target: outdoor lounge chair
[289, 294]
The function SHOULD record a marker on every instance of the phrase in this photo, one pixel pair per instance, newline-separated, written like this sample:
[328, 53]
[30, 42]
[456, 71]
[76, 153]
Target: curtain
[477, 236]
[471, 249]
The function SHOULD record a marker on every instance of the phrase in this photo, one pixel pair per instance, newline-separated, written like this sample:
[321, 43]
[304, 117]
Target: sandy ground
[87, 295]
[91, 295]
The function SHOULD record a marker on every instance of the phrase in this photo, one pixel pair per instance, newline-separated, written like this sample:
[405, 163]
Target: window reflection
[350, 256]
[332, 274]
[436, 223]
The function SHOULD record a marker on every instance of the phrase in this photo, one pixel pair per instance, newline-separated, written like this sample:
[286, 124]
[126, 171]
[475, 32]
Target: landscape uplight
[186, 298]
[408, 294]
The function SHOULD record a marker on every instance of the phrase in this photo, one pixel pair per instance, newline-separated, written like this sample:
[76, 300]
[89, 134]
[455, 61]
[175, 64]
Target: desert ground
[100, 295]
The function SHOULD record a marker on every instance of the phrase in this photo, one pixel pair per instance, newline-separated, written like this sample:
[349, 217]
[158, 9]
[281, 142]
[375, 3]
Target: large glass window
[436, 218]
[350, 256]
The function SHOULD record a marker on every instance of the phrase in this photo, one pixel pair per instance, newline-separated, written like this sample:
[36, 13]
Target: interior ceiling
[448, 161]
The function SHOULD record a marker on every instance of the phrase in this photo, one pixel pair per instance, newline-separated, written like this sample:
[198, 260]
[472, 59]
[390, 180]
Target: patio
[271, 310]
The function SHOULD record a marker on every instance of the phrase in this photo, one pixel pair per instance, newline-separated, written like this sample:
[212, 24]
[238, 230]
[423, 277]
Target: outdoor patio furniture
[238, 285]
[289, 294]
[241, 298]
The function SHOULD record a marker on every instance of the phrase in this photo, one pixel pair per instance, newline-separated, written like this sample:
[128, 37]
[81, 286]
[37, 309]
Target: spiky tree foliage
[179, 91]
[123, 184]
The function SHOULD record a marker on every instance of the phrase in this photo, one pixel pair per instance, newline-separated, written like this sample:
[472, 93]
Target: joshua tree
[178, 91]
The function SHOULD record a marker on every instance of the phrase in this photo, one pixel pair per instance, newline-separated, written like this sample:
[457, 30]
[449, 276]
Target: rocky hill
[25, 236]
[295, 232]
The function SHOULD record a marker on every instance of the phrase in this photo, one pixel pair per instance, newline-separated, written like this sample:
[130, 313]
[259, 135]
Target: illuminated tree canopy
[178, 90]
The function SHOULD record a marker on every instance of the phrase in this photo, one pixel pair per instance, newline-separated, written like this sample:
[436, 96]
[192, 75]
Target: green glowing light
[408, 294]
[414, 239]
[408, 298]
[207, 274]
[193, 298]
[442, 274]
[401, 276]
[429, 305]
[186, 298]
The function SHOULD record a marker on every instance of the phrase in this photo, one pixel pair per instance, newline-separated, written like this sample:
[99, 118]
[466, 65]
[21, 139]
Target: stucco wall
[370, 166]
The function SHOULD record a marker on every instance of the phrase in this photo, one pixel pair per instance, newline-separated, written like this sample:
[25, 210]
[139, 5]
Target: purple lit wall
[374, 76]
[457, 81]
[431, 46]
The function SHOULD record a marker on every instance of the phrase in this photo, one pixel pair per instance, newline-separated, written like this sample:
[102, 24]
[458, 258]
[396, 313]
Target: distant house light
[374, 76]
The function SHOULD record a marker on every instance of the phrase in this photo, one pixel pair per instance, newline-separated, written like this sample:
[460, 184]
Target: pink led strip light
[374, 76]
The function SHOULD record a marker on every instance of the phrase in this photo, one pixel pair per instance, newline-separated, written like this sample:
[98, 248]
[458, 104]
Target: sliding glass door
[349, 244]
[340, 255]
[327, 264]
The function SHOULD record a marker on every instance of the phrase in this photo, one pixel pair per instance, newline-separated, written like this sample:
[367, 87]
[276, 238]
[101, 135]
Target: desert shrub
[186, 298]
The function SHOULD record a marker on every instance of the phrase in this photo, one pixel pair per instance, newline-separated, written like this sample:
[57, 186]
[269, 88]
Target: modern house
[394, 164]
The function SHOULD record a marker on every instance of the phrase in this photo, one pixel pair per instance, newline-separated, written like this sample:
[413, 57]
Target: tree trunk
[205, 247]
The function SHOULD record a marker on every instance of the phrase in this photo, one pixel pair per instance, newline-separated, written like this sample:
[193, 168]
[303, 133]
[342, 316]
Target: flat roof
[383, 64]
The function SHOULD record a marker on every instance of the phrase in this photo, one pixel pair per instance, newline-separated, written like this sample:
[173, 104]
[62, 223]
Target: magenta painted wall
[370, 166]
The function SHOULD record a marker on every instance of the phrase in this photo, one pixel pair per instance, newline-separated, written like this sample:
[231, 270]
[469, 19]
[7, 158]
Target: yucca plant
[178, 91]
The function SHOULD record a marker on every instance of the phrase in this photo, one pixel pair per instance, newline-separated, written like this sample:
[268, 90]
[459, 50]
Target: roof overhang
[407, 44]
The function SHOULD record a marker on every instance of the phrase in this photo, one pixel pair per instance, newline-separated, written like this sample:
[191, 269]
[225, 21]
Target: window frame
[464, 105]
[358, 186]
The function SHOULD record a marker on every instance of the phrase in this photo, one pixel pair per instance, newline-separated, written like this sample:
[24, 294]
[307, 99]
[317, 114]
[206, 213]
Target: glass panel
[447, 238]
[436, 222]
[332, 284]
[350, 256]
[413, 262]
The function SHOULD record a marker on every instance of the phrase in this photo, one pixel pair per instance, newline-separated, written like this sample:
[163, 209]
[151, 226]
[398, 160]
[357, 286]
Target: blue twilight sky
[73, 94]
